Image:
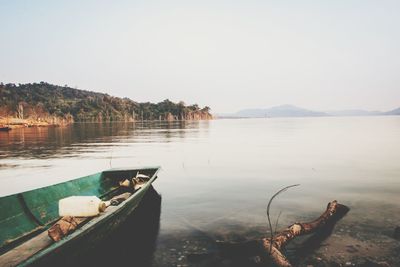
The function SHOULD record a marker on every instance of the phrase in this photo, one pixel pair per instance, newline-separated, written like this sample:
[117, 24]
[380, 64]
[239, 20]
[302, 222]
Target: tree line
[42, 100]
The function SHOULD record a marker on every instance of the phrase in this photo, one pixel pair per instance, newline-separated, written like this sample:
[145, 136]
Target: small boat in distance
[5, 128]
[26, 217]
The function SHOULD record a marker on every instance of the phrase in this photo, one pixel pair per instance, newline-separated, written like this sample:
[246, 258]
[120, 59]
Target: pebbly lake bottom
[356, 240]
[217, 178]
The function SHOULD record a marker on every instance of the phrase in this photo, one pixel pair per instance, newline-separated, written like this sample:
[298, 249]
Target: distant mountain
[293, 111]
[393, 112]
[279, 111]
[354, 112]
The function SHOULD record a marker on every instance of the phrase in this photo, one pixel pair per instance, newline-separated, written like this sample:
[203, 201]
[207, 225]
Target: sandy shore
[15, 123]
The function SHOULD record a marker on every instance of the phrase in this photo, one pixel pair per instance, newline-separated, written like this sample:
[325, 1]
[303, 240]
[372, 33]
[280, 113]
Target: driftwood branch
[332, 212]
[273, 251]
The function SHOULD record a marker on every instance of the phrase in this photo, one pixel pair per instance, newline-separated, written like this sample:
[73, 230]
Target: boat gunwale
[73, 179]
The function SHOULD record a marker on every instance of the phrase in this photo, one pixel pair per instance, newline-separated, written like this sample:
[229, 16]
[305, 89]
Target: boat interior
[27, 215]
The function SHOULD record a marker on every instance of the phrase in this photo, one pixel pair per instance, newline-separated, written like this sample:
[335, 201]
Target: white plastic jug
[80, 206]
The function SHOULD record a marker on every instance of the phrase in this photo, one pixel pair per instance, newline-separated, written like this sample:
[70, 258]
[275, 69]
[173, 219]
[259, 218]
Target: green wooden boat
[25, 217]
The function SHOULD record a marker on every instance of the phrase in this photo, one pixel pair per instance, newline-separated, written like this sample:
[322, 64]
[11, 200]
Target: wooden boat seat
[26, 250]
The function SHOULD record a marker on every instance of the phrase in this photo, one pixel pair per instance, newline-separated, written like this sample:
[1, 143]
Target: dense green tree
[37, 100]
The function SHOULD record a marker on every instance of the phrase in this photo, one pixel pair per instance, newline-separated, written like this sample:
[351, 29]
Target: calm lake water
[217, 176]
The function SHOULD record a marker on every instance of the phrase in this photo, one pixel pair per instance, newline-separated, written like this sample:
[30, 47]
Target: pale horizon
[227, 55]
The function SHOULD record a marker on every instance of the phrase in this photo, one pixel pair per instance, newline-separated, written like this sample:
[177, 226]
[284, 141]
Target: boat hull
[85, 243]
[112, 242]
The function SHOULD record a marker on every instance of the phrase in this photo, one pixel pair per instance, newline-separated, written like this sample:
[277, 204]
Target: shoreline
[7, 126]
[15, 123]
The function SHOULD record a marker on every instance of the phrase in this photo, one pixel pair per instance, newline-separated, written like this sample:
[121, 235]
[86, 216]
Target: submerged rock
[396, 233]
[372, 263]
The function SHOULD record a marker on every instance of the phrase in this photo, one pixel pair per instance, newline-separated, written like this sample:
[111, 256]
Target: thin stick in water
[268, 209]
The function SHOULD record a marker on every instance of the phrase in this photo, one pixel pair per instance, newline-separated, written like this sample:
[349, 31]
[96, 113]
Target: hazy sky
[229, 55]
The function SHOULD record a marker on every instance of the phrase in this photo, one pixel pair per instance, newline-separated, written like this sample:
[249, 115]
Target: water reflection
[47, 142]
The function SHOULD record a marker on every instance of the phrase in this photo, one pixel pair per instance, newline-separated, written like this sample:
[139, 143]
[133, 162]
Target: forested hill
[42, 100]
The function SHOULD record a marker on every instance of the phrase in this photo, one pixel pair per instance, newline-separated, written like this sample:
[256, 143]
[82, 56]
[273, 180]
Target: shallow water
[218, 175]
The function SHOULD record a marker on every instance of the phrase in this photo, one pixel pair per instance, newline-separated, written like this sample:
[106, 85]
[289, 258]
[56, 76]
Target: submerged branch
[268, 209]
